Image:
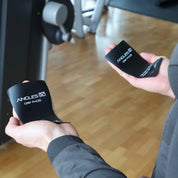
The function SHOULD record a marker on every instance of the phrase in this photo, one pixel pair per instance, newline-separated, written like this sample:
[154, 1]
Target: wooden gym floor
[122, 123]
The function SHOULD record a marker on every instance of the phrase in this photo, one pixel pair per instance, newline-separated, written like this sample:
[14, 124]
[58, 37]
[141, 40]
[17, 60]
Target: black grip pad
[32, 101]
[128, 60]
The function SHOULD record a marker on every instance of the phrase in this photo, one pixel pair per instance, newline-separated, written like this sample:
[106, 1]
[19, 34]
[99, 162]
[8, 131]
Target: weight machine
[26, 30]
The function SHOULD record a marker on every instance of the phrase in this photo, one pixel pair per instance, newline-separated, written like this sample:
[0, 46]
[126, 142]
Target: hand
[159, 84]
[37, 133]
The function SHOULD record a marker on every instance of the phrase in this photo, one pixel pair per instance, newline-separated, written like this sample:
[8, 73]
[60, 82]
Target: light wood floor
[122, 123]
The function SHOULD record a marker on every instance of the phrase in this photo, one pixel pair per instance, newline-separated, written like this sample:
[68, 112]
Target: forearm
[73, 158]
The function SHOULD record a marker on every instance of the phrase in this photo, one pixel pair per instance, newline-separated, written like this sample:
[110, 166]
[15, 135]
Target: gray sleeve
[167, 158]
[72, 158]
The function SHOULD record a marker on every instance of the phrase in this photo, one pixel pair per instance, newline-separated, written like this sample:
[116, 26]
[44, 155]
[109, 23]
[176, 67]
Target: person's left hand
[158, 84]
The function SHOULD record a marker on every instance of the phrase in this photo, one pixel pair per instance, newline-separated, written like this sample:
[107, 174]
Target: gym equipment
[24, 46]
[91, 22]
[58, 18]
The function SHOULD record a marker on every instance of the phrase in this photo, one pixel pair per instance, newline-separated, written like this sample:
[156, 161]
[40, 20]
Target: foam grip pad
[128, 60]
[32, 101]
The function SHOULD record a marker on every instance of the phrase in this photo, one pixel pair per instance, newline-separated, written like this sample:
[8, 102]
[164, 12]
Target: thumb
[11, 126]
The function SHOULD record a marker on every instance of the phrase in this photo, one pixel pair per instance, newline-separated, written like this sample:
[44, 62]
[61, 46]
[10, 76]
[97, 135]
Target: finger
[111, 46]
[12, 125]
[14, 113]
[107, 50]
[25, 81]
[16, 116]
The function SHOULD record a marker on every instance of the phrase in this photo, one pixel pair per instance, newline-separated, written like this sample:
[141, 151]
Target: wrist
[56, 132]
[50, 136]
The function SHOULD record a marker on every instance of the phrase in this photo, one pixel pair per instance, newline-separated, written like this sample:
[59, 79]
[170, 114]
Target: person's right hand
[37, 134]
[159, 84]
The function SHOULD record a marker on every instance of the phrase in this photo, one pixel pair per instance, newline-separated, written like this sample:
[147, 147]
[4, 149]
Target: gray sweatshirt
[167, 160]
[72, 158]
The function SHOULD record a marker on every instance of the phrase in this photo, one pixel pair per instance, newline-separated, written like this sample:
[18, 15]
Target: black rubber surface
[32, 101]
[128, 60]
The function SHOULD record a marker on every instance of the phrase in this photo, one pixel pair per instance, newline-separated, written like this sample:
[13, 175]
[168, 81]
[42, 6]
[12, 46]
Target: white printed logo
[32, 97]
[125, 56]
